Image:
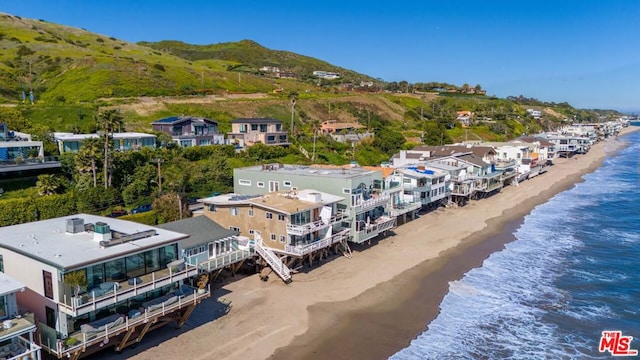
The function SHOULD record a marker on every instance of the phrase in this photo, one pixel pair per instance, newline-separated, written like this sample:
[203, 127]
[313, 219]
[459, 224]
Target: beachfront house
[126, 141]
[188, 131]
[366, 201]
[545, 149]
[258, 131]
[288, 226]
[426, 185]
[210, 247]
[95, 282]
[18, 332]
[344, 132]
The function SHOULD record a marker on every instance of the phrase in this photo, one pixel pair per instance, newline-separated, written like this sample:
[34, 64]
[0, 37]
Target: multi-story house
[258, 131]
[189, 130]
[17, 335]
[366, 200]
[288, 226]
[426, 185]
[18, 152]
[95, 282]
[126, 141]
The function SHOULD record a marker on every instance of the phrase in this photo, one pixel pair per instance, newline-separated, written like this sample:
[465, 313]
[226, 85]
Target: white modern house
[95, 282]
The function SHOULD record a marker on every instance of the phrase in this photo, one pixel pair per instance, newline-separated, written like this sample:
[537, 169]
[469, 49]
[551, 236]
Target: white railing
[202, 261]
[381, 224]
[274, 261]
[405, 207]
[304, 229]
[86, 340]
[83, 304]
[363, 205]
[301, 250]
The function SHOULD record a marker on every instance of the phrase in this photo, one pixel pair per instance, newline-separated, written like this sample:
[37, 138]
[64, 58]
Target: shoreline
[340, 309]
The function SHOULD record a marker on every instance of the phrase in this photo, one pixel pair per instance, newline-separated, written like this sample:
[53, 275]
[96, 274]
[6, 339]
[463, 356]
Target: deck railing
[202, 260]
[364, 205]
[85, 303]
[301, 250]
[381, 224]
[65, 348]
[304, 229]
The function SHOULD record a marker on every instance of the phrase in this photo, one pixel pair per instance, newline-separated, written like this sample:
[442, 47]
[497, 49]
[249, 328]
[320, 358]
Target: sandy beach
[372, 305]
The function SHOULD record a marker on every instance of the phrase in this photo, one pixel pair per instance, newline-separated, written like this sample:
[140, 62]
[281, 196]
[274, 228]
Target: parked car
[140, 209]
[117, 213]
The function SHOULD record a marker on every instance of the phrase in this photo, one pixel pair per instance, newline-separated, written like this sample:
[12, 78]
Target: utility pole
[159, 161]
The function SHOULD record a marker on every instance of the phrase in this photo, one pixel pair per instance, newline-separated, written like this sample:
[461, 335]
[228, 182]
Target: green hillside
[63, 64]
[254, 56]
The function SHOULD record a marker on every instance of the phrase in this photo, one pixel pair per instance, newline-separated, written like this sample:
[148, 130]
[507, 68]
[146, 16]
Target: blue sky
[584, 52]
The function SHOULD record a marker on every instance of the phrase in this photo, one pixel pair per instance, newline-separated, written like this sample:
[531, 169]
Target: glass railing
[109, 293]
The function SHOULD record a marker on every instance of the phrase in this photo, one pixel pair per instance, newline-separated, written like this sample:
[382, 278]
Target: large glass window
[3, 307]
[116, 270]
[95, 275]
[135, 265]
[168, 254]
[152, 260]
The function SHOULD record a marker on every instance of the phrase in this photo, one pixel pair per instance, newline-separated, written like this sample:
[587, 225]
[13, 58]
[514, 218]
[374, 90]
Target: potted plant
[202, 282]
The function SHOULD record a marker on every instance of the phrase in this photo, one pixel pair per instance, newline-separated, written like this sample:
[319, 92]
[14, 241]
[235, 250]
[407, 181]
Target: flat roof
[312, 171]
[289, 202]
[255, 121]
[9, 285]
[428, 171]
[124, 135]
[47, 241]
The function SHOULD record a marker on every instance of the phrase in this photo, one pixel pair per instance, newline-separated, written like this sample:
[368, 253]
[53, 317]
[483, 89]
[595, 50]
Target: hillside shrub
[17, 211]
[147, 218]
[53, 206]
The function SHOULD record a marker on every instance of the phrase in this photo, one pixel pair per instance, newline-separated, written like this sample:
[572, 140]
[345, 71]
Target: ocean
[571, 273]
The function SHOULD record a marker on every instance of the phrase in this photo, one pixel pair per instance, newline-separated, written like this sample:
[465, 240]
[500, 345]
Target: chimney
[101, 232]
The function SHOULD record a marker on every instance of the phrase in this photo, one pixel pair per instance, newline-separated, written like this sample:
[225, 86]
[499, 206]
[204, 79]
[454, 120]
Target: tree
[48, 184]
[293, 97]
[316, 125]
[13, 118]
[87, 157]
[170, 207]
[108, 121]
[388, 141]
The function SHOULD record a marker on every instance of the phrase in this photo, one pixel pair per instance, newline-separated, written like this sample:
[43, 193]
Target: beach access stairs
[273, 260]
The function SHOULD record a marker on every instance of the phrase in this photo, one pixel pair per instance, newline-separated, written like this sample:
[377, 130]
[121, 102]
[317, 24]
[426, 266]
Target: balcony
[16, 346]
[162, 306]
[304, 229]
[369, 231]
[203, 262]
[97, 299]
[505, 164]
[362, 205]
[403, 208]
[301, 250]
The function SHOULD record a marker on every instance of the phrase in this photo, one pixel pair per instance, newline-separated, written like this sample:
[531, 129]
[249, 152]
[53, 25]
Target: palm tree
[87, 156]
[293, 96]
[47, 184]
[315, 127]
[109, 120]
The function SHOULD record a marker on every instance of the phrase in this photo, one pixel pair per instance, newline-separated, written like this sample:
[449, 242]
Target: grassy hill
[69, 65]
[253, 56]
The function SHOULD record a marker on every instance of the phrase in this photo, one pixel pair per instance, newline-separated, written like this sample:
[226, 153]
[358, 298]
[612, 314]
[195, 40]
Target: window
[250, 212]
[346, 191]
[260, 184]
[406, 181]
[1, 264]
[233, 211]
[286, 183]
[212, 208]
[273, 237]
[48, 284]
[269, 215]
[282, 238]
[243, 128]
[263, 128]
[281, 217]
[244, 182]
[254, 127]
[233, 228]
[251, 231]
[274, 186]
